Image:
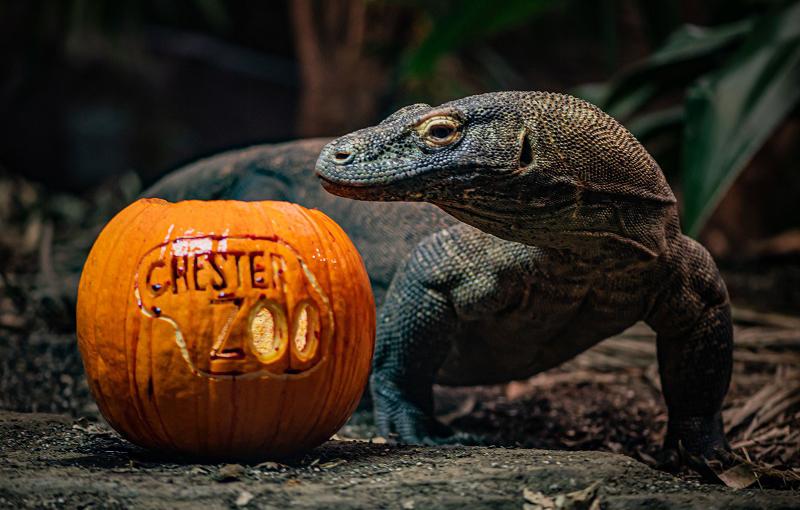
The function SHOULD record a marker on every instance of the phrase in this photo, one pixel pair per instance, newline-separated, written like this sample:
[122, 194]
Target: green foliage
[687, 53]
[742, 80]
[465, 22]
[731, 112]
[705, 101]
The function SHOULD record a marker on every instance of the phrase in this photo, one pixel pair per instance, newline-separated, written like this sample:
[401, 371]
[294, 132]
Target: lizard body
[570, 234]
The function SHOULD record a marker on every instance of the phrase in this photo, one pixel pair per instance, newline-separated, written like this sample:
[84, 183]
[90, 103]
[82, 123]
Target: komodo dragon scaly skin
[577, 239]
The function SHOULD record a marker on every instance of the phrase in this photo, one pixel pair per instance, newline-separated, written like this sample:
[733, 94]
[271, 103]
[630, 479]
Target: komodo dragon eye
[439, 131]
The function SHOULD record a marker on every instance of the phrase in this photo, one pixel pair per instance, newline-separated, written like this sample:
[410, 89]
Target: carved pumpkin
[225, 329]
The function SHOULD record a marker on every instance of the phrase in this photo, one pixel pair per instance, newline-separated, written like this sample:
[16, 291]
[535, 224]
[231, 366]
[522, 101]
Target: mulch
[609, 398]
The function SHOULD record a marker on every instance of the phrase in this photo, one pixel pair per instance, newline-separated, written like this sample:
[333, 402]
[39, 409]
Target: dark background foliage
[90, 90]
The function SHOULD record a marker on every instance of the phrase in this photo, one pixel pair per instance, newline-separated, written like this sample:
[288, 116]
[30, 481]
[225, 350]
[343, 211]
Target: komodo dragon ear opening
[526, 150]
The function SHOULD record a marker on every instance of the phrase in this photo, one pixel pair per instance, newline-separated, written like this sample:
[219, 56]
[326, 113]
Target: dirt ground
[546, 423]
[49, 461]
[599, 417]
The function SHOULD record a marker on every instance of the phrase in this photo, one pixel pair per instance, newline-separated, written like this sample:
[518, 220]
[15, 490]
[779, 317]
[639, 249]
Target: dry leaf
[537, 501]
[746, 473]
[738, 477]
[244, 498]
[332, 463]
[584, 499]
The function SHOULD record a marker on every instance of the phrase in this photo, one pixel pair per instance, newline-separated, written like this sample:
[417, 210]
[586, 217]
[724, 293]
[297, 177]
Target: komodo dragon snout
[442, 154]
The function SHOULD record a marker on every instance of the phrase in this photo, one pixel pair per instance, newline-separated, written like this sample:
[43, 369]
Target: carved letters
[241, 306]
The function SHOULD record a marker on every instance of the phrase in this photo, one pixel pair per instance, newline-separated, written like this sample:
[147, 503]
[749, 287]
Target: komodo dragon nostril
[342, 156]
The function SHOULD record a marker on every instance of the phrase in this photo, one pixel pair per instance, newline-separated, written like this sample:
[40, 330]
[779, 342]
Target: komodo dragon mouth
[415, 185]
[356, 191]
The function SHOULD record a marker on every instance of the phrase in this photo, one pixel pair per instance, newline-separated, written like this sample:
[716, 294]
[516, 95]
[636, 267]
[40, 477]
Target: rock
[229, 473]
[269, 466]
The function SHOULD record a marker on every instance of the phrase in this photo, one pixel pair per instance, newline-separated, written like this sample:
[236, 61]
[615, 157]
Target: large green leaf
[687, 53]
[731, 112]
[649, 124]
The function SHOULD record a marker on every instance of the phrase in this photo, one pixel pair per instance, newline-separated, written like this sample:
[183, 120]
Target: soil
[607, 400]
[51, 461]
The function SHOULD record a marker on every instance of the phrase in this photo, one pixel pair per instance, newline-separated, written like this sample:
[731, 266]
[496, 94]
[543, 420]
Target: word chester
[261, 323]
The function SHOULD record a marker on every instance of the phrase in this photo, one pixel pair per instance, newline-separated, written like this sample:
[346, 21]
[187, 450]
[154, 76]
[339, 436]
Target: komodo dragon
[465, 307]
[577, 239]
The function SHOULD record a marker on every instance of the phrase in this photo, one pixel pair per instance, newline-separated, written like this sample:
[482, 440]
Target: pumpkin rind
[191, 320]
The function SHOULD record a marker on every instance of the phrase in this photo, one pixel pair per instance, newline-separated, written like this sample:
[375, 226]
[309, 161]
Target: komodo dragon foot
[402, 422]
[696, 444]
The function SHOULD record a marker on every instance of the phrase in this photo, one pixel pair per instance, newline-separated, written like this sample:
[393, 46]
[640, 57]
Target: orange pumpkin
[225, 329]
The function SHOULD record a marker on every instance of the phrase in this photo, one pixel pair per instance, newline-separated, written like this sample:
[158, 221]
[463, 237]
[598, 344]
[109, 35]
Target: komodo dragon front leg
[692, 318]
[415, 329]
[452, 281]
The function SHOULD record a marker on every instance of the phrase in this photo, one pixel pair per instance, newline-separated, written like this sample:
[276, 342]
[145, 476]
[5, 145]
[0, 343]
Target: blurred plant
[704, 102]
[741, 80]
[341, 81]
[35, 35]
[455, 24]
[450, 54]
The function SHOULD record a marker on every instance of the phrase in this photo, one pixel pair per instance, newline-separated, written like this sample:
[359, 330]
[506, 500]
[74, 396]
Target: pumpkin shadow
[107, 450]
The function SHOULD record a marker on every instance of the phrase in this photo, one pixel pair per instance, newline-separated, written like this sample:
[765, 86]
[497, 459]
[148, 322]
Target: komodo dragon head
[538, 168]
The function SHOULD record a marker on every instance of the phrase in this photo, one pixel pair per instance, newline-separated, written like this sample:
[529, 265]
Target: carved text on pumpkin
[266, 296]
